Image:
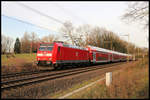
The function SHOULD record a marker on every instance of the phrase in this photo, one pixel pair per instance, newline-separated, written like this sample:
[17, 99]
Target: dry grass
[14, 59]
[132, 82]
[18, 63]
[21, 68]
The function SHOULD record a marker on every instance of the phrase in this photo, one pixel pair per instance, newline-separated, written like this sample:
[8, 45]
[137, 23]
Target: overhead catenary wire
[13, 18]
[34, 10]
[70, 13]
[74, 39]
[42, 14]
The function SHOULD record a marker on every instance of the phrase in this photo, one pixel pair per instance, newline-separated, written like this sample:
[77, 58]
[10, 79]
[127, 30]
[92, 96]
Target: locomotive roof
[73, 46]
[65, 45]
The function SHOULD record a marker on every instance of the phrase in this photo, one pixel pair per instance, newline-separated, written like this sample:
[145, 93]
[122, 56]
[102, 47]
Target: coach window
[76, 53]
[58, 48]
[50, 48]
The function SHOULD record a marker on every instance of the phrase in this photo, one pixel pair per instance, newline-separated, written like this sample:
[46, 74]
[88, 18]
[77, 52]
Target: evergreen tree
[17, 46]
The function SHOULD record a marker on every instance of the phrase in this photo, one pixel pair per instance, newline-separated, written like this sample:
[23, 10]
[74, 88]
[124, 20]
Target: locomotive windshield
[46, 47]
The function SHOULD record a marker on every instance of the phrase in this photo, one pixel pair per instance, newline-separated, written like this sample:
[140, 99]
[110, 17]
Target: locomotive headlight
[39, 54]
[49, 54]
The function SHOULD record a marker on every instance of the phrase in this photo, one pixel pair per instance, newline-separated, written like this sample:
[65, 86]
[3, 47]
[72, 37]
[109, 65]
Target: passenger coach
[98, 55]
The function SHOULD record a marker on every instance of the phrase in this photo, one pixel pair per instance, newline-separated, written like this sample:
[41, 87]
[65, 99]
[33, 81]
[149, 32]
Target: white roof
[106, 50]
[99, 49]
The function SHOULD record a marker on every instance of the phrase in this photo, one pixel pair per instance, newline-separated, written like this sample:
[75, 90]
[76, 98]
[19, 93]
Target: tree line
[81, 36]
[28, 43]
[96, 36]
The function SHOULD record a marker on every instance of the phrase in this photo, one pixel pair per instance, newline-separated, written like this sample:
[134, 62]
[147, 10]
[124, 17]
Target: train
[58, 54]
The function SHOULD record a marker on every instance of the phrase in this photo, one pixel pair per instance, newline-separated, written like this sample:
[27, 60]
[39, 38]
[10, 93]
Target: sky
[102, 14]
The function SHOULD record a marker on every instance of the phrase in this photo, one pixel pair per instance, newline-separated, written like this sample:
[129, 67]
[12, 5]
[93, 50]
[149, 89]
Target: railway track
[19, 74]
[13, 82]
[22, 73]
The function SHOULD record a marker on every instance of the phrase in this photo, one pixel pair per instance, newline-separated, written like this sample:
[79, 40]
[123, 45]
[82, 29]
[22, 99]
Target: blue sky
[14, 28]
[102, 14]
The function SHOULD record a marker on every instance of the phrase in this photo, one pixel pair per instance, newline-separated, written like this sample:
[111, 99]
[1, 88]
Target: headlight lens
[39, 54]
[49, 54]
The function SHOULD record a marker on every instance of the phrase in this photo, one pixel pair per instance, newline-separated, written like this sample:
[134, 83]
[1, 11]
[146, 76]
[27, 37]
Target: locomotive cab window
[46, 47]
[49, 48]
[42, 49]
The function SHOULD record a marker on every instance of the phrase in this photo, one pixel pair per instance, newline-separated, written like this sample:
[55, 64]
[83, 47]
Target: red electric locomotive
[58, 54]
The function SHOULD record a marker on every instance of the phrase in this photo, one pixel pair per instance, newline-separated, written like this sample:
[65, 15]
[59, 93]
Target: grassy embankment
[132, 82]
[17, 63]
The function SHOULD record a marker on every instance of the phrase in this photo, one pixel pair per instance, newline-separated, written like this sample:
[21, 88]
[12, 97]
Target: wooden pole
[128, 47]
[31, 48]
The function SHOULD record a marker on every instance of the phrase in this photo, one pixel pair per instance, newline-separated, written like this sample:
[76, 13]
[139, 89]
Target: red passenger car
[98, 55]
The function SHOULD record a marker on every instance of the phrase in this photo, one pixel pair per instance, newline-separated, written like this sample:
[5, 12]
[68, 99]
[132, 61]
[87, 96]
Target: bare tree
[83, 34]
[96, 36]
[9, 43]
[3, 44]
[6, 44]
[103, 38]
[34, 40]
[68, 32]
[138, 12]
[50, 38]
[25, 43]
[33, 37]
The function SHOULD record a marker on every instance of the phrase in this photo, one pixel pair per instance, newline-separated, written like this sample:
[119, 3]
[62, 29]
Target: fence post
[108, 78]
